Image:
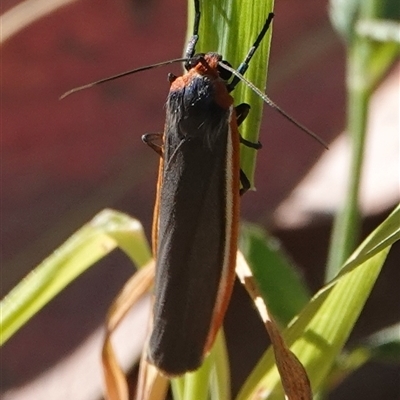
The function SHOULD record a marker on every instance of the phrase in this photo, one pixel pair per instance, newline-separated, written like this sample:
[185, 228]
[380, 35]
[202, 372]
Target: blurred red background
[63, 161]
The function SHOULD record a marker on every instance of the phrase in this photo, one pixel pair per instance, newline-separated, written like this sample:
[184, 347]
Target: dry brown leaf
[133, 290]
[152, 385]
[295, 382]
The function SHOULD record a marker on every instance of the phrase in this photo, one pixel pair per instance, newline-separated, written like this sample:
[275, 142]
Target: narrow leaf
[293, 376]
[280, 284]
[320, 331]
[82, 250]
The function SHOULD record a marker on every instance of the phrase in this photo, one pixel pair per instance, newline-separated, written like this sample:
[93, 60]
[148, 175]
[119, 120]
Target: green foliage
[318, 333]
[316, 328]
[230, 28]
[367, 62]
[105, 232]
[278, 280]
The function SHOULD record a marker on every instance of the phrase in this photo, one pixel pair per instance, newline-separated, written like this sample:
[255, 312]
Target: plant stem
[359, 86]
[347, 222]
[367, 62]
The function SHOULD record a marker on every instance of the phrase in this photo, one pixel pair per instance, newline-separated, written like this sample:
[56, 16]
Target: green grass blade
[382, 346]
[210, 381]
[367, 62]
[280, 284]
[320, 331]
[220, 379]
[106, 231]
[230, 28]
[387, 233]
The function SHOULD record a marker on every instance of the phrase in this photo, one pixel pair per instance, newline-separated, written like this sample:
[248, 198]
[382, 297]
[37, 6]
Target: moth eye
[191, 63]
[223, 73]
[171, 77]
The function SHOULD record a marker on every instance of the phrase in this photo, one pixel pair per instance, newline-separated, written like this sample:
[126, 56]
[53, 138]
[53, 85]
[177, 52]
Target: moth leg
[151, 138]
[252, 145]
[242, 111]
[244, 180]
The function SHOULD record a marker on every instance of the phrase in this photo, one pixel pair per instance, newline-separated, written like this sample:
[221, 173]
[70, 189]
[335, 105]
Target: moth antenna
[267, 100]
[111, 78]
[245, 64]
